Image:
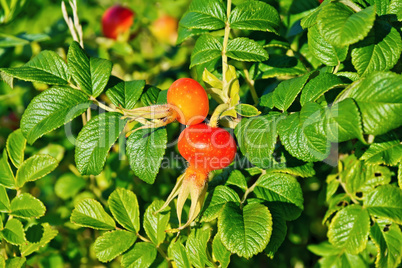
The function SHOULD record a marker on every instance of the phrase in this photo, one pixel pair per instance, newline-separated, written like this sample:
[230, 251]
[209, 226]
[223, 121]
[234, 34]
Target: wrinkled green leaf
[112, 244]
[124, 207]
[90, 213]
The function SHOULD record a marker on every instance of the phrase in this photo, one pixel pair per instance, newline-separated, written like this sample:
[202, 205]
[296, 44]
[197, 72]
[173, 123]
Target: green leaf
[48, 234]
[254, 15]
[378, 96]
[142, 255]
[124, 207]
[216, 200]
[145, 150]
[13, 232]
[112, 244]
[388, 239]
[68, 186]
[303, 134]
[385, 201]
[205, 14]
[90, 213]
[286, 92]
[52, 109]
[16, 144]
[185, 33]
[21, 39]
[245, 232]
[281, 188]
[280, 65]
[311, 18]
[237, 178]
[47, 67]
[4, 201]
[95, 140]
[220, 253]
[16, 262]
[386, 149]
[6, 174]
[196, 247]
[126, 94]
[91, 74]
[177, 252]
[246, 110]
[206, 49]
[279, 231]
[349, 229]
[343, 121]
[353, 175]
[317, 86]
[325, 52]
[55, 150]
[34, 168]
[156, 224]
[245, 49]
[285, 163]
[150, 96]
[27, 206]
[256, 137]
[340, 26]
[379, 51]
[324, 249]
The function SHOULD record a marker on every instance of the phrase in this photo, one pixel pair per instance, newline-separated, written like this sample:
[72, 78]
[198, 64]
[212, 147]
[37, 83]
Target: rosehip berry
[207, 148]
[117, 20]
[190, 99]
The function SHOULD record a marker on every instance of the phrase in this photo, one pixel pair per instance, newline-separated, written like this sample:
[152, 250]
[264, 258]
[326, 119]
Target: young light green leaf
[91, 74]
[216, 201]
[256, 137]
[385, 201]
[47, 67]
[112, 244]
[246, 110]
[55, 150]
[145, 150]
[303, 134]
[4, 201]
[48, 234]
[142, 255]
[378, 96]
[52, 109]
[90, 213]
[220, 253]
[124, 207]
[379, 51]
[245, 49]
[237, 178]
[177, 252]
[320, 84]
[245, 232]
[386, 149]
[286, 92]
[325, 52]
[126, 94]
[343, 122]
[6, 174]
[388, 239]
[16, 262]
[95, 140]
[34, 168]
[205, 14]
[16, 144]
[206, 49]
[13, 232]
[349, 229]
[68, 185]
[324, 249]
[283, 188]
[196, 247]
[340, 26]
[27, 206]
[254, 15]
[156, 224]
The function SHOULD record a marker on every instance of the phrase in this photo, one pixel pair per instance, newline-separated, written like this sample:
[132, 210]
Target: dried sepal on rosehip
[187, 102]
[206, 148]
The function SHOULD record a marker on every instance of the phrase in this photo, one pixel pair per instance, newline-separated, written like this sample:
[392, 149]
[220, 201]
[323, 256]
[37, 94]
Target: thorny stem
[225, 44]
[250, 84]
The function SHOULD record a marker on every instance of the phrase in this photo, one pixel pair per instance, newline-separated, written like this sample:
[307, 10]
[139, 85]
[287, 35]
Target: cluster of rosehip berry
[117, 21]
[206, 148]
